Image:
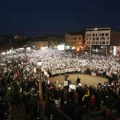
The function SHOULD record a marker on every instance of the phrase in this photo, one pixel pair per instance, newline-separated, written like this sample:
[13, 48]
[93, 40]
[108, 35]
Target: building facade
[75, 40]
[97, 36]
[115, 43]
[37, 44]
[106, 39]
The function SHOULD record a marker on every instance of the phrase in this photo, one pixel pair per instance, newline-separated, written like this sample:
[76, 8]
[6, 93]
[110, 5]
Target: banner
[65, 83]
[72, 87]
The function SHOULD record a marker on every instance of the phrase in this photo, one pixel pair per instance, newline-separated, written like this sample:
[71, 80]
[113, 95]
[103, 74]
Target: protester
[78, 80]
[20, 72]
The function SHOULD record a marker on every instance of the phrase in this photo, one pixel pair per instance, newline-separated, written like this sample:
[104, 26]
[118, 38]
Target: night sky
[57, 16]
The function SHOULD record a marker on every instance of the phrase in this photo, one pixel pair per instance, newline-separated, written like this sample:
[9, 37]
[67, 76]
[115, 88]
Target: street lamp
[40, 82]
[42, 101]
[90, 51]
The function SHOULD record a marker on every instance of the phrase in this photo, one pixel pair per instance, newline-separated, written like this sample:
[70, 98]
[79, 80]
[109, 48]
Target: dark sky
[57, 16]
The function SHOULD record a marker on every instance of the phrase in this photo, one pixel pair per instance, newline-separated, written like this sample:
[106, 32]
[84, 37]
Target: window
[88, 35]
[102, 34]
[106, 34]
[97, 43]
[97, 38]
[90, 38]
[107, 42]
[102, 38]
[103, 42]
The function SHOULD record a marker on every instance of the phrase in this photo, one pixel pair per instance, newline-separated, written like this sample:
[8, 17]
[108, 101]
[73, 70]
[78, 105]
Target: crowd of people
[20, 74]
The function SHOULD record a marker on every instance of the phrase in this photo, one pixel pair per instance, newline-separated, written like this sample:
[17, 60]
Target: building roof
[98, 29]
[77, 33]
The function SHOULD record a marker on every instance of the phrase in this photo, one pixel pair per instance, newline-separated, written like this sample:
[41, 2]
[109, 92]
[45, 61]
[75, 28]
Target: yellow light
[73, 48]
[78, 49]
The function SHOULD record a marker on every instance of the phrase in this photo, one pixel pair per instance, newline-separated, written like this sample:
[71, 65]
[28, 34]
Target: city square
[60, 60]
[26, 74]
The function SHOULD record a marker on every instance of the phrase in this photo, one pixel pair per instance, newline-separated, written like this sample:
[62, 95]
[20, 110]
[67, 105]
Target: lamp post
[41, 100]
[40, 82]
[90, 51]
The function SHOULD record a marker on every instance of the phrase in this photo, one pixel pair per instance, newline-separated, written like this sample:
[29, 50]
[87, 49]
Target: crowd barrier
[79, 70]
[72, 70]
[61, 71]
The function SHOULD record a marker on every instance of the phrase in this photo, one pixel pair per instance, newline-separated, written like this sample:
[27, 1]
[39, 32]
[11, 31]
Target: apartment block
[75, 39]
[98, 36]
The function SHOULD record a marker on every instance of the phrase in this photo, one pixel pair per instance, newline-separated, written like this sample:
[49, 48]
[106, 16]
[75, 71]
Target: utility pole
[90, 51]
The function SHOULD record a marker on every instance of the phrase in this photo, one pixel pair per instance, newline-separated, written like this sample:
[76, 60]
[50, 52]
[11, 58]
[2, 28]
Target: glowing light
[3, 53]
[39, 63]
[73, 48]
[60, 47]
[44, 48]
[68, 47]
[96, 28]
[114, 50]
[78, 49]
[8, 52]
